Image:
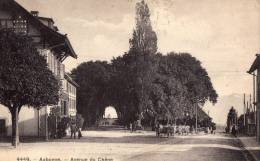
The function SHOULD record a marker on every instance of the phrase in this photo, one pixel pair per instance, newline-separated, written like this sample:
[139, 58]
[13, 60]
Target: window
[55, 65]
[6, 23]
[74, 90]
[20, 25]
[49, 60]
[2, 24]
[58, 67]
[44, 54]
[62, 70]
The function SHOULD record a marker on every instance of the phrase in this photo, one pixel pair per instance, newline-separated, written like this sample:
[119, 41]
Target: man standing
[79, 124]
[73, 129]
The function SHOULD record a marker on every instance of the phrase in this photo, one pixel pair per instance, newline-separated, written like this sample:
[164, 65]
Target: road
[195, 148]
[126, 146]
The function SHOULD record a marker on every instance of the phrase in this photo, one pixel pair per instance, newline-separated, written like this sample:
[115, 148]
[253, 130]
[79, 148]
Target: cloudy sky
[223, 34]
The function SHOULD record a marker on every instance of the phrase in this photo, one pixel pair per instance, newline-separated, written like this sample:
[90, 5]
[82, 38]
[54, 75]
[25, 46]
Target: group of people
[75, 126]
[182, 129]
[186, 129]
[234, 130]
[136, 125]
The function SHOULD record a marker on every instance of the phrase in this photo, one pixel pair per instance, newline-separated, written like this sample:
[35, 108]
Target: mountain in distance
[220, 110]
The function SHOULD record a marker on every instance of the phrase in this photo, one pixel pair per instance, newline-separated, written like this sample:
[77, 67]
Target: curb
[248, 151]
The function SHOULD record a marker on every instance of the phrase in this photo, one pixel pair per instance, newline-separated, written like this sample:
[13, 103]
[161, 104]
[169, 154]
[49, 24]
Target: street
[126, 146]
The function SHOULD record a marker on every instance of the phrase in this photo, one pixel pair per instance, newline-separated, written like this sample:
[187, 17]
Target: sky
[223, 35]
[110, 112]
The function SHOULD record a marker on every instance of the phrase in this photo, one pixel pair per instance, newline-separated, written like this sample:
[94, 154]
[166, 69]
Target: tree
[231, 118]
[93, 79]
[24, 77]
[144, 39]
[141, 57]
[143, 84]
[185, 83]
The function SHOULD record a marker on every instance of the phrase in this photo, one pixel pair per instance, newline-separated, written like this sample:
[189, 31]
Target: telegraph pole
[196, 128]
[254, 105]
[244, 110]
[257, 104]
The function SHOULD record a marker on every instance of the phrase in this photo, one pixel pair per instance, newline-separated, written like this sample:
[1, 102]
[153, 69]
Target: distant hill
[220, 110]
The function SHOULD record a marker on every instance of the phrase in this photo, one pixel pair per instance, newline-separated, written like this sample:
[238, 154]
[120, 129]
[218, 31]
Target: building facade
[68, 105]
[255, 72]
[56, 48]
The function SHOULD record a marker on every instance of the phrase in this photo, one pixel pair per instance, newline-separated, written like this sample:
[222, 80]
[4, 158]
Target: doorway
[2, 128]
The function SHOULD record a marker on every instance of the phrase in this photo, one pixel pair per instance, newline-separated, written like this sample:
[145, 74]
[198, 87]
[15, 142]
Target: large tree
[185, 82]
[144, 84]
[231, 118]
[141, 57]
[144, 39]
[93, 79]
[25, 80]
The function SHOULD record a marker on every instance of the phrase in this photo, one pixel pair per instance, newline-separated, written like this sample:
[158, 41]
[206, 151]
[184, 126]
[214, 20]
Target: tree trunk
[15, 129]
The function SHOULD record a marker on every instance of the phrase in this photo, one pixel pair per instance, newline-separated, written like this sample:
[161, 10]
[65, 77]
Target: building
[56, 48]
[255, 72]
[69, 87]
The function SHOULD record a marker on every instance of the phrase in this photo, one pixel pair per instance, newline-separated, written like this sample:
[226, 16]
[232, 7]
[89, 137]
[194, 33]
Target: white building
[56, 47]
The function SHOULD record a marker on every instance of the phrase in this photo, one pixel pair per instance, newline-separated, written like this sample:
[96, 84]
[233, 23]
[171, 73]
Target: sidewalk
[251, 146]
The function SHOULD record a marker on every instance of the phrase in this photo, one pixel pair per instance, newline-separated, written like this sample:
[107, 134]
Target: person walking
[131, 127]
[73, 129]
[234, 131]
[79, 124]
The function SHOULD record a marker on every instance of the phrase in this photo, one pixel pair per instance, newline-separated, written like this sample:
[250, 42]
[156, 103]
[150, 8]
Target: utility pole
[250, 103]
[257, 105]
[254, 103]
[244, 110]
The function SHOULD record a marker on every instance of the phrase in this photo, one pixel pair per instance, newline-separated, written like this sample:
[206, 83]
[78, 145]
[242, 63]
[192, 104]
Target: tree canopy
[24, 77]
[93, 78]
[143, 84]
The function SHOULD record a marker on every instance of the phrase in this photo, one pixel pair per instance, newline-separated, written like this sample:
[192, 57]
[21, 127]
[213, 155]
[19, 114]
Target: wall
[28, 121]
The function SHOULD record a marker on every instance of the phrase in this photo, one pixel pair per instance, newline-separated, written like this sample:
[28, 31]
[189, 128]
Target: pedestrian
[233, 131]
[131, 127]
[213, 128]
[134, 126]
[73, 129]
[79, 124]
[79, 133]
[227, 130]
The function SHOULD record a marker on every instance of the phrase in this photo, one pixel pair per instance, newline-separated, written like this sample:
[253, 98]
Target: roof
[45, 18]
[202, 114]
[255, 65]
[69, 79]
[54, 37]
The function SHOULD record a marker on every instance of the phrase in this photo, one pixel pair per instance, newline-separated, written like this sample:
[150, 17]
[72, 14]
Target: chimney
[35, 13]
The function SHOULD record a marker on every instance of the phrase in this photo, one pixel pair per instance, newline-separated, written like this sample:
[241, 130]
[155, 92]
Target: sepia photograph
[129, 80]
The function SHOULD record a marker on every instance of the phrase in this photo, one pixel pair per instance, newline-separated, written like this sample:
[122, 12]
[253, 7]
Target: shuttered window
[20, 25]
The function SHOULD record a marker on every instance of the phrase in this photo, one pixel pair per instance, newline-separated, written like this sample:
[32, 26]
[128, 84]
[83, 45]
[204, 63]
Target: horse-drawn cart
[163, 128]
